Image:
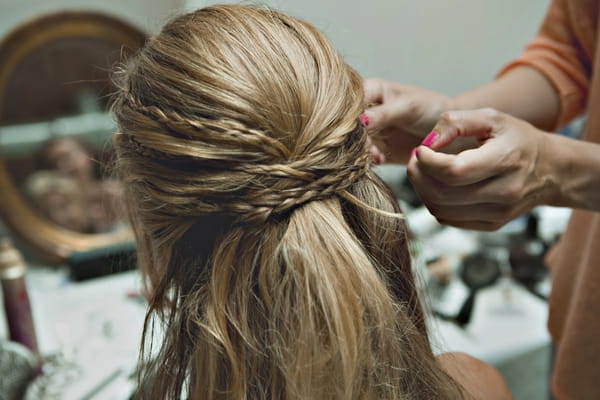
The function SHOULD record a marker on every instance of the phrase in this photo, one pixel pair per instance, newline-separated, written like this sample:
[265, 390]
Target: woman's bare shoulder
[479, 379]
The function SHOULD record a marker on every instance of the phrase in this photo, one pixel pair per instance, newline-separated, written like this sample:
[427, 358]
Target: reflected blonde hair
[252, 198]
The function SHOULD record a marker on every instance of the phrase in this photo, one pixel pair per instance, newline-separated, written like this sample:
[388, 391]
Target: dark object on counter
[478, 271]
[16, 298]
[527, 253]
[102, 261]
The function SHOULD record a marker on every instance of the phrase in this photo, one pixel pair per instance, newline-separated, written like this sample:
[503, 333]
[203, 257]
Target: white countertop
[95, 324]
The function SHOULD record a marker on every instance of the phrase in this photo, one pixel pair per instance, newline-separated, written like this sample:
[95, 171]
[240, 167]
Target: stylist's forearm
[576, 171]
[523, 92]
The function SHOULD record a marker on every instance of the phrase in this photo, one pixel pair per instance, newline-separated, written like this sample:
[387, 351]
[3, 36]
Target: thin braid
[262, 200]
[277, 202]
[186, 128]
[134, 144]
[272, 189]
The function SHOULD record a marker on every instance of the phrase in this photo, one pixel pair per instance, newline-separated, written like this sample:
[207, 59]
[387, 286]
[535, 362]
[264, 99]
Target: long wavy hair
[273, 255]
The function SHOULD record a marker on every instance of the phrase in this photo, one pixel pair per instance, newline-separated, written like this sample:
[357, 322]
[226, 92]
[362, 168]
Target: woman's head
[58, 197]
[67, 156]
[257, 219]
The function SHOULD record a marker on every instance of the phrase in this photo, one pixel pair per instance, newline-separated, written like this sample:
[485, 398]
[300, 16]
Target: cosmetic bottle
[16, 299]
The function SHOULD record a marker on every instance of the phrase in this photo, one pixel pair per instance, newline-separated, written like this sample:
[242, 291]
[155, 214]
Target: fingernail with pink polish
[414, 153]
[428, 141]
[364, 119]
[377, 159]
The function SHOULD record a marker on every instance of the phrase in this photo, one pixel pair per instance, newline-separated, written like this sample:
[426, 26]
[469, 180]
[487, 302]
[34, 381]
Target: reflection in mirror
[64, 177]
[55, 86]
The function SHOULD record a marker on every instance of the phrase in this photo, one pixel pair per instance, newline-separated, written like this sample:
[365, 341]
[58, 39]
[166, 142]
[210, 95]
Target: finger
[394, 113]
[479, 124]
[432, 191]
[460, 216]
[484, 226]
[435, 192]
[373, 89]
[489, 212]
[376, 154]
[465, 168]
[375, 149]
[377, 118]
[395, 146]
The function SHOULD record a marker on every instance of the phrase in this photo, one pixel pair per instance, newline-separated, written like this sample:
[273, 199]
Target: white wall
[148, 15]
[446, 45]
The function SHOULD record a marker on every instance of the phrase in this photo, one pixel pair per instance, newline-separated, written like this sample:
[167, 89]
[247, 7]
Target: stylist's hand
[400, 116]
[486, 187]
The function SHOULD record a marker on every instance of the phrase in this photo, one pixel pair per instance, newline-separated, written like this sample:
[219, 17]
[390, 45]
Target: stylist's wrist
[459, 103]
[572, 173]
[551, 168]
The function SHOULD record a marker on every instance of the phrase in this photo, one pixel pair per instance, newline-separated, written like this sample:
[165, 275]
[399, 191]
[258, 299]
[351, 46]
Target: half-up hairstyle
[275, 258]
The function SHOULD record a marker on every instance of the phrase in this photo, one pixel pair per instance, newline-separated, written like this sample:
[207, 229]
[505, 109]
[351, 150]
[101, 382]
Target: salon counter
[88, 332]
[507, 322]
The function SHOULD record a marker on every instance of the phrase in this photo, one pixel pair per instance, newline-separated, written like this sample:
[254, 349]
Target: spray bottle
[16, 299]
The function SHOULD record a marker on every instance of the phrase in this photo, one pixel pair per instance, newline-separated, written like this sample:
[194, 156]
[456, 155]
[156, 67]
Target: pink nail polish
[377, 159]
[364, 119]
[428, 141]
[414, 153]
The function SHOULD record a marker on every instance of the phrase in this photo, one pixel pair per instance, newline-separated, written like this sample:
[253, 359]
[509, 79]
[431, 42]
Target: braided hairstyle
[273, 256]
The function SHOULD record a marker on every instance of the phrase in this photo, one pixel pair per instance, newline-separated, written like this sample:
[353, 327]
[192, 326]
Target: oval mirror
[55, 84]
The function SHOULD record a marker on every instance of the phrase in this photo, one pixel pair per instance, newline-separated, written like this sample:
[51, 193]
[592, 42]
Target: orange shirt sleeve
[561, 52]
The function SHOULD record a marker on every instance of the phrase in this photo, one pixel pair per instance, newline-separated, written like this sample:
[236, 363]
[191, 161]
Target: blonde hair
[252, 198]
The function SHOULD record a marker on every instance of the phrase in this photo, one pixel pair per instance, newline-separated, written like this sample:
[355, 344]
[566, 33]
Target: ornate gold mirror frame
[54, 243]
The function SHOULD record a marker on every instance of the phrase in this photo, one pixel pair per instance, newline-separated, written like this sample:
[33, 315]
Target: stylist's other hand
[485, 187]
[399, 116]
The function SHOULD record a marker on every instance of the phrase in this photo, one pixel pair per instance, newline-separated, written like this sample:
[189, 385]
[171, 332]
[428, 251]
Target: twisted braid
[225, 131]
[252, 192]
[130, 141]
[268, 202]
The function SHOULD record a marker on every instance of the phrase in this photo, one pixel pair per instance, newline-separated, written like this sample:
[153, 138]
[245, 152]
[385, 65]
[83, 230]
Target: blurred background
[427, 43]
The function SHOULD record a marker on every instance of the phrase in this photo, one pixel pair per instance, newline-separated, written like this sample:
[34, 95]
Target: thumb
[377, 118]
[479, 124]
[385, 110]
[373, 89]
